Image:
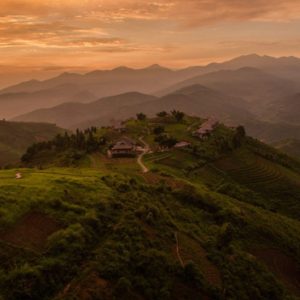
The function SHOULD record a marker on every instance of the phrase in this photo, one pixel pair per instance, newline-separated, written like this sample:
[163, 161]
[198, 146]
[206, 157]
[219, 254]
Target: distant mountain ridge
[104, 83]
[196, 100]
[250, 84]
[252, 90]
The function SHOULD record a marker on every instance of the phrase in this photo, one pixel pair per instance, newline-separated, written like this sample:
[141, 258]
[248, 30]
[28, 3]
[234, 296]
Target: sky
[39, 39]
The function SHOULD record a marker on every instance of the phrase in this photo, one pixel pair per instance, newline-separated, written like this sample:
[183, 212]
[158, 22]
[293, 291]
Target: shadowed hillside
[208, 213]
[291, 147]
[16, 137]
[196, 100]
[255, 87]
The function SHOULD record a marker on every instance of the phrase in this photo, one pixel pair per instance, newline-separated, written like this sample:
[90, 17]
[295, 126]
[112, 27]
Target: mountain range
[260, 92]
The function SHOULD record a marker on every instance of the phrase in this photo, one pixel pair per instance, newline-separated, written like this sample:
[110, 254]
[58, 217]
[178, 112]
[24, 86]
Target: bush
[192, 273]
[123, 285]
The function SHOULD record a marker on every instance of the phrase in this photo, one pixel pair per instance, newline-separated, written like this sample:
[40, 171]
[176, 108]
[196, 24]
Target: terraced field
[256, 171]
[276, 183]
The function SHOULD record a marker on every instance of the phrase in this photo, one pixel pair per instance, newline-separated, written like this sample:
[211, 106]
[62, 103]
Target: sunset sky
[39, 39]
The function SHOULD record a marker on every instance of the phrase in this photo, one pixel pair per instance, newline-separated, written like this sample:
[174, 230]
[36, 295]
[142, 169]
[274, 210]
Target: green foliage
[68, 148]
[178, 115]
[239, 136]
[162, 114]
[158, 130]
[16, 137]
[141, 116]
[165, 141]
[116, 233]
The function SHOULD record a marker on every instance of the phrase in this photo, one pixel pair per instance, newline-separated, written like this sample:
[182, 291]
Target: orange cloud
[174, 32]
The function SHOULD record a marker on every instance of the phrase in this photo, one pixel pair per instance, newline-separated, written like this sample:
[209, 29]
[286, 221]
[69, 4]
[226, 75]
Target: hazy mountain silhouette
[196, 100]
[70, 115]
[247, 83]
[68, 87]
[256, 87]
[285, 110]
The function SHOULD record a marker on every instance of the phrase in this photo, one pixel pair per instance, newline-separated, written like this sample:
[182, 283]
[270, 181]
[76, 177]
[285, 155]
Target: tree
[162, 114]
[178, 115]
[91, 143]
[165, 141]
[141, 116]
[158, 130]
[239, 136]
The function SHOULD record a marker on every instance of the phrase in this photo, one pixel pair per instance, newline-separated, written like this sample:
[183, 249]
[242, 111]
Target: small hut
[123, 148]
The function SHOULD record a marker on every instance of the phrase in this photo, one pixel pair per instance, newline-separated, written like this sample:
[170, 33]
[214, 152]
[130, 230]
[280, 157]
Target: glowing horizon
[41, 39]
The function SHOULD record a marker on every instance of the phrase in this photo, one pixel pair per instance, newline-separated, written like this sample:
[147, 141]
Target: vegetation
[141, 116]
[70, 147]
[16, 137]
[208, 221]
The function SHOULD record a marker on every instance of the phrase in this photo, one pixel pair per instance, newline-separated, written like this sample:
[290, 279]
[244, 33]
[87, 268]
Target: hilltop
[210, 212]
[16, 137]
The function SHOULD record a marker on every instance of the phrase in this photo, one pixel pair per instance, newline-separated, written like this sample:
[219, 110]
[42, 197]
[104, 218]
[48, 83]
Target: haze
[39, 39]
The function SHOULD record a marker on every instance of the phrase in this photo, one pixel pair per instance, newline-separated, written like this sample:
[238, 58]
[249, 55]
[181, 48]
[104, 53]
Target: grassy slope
[291, 147]
[118, 227]
[16, 137]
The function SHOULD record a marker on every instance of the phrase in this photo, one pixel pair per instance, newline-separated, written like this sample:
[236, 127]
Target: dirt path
[178, 250]
[140, 157]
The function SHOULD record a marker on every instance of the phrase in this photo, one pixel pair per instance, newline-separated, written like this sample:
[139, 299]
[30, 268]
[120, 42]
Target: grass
[116, 237]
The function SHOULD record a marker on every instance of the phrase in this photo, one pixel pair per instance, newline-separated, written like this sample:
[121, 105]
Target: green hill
[16, 137]
[291, 147]
[218, 219]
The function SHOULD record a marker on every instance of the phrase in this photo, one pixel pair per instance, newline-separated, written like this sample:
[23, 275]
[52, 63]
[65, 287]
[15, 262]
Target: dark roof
[124, 144]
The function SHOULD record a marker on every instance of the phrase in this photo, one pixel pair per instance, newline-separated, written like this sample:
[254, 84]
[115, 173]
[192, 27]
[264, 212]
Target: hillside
[284, 67]
[100, 112]
[257, 88]
[16, 137]
[285, 110]
[263, 76]
[14, 104]
[201, 220]
[71, 87]
[290, 147]
[196, 99]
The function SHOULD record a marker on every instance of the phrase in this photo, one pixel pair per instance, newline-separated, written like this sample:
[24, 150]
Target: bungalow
[123, 148]
[206, 128]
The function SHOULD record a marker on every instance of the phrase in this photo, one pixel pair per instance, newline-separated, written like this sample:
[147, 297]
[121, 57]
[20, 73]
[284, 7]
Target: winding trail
[140, 157]
[178, 251]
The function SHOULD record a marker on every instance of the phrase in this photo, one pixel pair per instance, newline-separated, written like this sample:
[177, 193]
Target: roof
[124, 144]
[182, 144]
[207, 126]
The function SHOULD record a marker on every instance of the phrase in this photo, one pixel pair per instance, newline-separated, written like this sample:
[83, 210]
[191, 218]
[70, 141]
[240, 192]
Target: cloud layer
[110, 32]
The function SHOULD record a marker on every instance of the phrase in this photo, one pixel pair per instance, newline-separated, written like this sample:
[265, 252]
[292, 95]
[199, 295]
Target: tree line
[85, 141]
